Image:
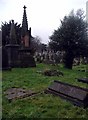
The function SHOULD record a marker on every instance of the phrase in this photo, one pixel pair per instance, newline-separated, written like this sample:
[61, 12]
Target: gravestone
[77, 95]
[84, 80]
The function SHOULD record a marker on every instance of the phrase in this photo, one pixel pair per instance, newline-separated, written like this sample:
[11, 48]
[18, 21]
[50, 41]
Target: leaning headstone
[77, 95]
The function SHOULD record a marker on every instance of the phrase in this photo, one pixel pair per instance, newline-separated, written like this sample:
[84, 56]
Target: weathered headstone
[77, 95]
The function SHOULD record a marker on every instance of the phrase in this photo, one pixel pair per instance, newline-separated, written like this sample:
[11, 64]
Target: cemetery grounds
[40, 105]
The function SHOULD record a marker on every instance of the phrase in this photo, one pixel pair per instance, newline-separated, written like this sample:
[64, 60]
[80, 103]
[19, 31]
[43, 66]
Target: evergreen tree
[71, 37]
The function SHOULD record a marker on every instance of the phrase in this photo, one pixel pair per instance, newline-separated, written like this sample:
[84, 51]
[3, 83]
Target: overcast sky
[43, 15]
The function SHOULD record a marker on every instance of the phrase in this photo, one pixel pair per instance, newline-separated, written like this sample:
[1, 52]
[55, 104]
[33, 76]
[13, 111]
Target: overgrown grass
[42, 105]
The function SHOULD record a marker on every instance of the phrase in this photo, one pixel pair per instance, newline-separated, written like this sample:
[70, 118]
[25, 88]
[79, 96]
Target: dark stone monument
[19, 55]
[12, 47]
[5, 62]
[25, 52]
[13, 54]
[77, 95]
[26, 59]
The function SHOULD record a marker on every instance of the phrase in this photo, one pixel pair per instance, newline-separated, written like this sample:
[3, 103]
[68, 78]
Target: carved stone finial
[24, 7]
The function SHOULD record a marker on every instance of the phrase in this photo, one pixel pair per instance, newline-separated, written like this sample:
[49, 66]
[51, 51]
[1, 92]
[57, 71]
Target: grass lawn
[41, 105]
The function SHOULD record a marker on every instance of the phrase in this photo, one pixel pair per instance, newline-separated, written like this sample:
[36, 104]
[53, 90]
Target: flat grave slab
[84, 80]
[14, 93]
[77, 95]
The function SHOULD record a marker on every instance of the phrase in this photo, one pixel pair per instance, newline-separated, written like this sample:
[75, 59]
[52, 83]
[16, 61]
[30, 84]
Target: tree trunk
[68, 60]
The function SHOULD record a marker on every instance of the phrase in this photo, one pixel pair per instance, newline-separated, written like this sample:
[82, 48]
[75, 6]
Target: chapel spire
[24, 22]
